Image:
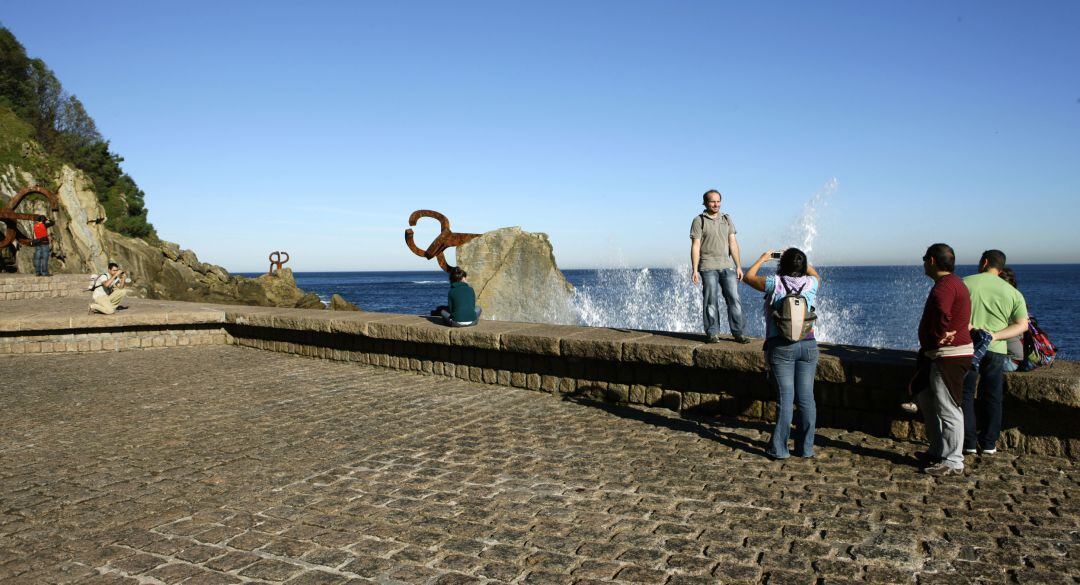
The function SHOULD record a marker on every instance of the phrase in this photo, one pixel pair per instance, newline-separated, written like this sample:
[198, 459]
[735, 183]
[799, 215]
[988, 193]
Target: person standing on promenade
[999, 309]
[42, 248]
[108, 290]
[945, 352]
[715, 262]
[792, 362]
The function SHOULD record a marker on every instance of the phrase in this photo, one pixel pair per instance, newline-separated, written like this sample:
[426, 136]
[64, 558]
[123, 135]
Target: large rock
[338, 303]
[515, 277]
[81, 244]
[166, 272]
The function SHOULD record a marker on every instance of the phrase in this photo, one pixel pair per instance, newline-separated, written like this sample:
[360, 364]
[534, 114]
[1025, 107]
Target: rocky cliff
[81, 244]
[516, 278]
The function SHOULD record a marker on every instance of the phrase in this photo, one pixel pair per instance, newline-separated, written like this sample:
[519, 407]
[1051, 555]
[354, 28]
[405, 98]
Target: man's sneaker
[989, 451]
[714, 338]
[971, 451]
[941, 470]
[909, 407]
[741, 339]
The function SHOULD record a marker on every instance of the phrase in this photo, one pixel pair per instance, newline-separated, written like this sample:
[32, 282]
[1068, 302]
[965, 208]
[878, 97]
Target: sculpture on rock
[10, 217]
[444, 241]
[276, 263]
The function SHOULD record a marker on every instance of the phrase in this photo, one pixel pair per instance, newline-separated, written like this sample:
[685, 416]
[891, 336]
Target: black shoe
[714, 338]
[926, 459]
[741, 339]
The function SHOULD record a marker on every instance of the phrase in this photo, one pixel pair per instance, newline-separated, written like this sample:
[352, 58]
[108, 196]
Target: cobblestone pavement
[227, 465]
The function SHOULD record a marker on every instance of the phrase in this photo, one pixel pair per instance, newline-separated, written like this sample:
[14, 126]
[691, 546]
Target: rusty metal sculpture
[444, 241]
[276, 262]
[10, 217]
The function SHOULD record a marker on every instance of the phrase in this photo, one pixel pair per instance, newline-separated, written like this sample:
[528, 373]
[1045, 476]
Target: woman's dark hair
[792, 263]
[1008, 276]
[457, 274]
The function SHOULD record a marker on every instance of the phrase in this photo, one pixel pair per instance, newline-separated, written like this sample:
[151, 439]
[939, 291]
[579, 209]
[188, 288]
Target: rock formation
[515, 277]
[82, 244]
[338, 303]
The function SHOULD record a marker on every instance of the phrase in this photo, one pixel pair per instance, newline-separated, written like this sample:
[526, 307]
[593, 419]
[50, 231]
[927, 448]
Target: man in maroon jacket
[945, 352]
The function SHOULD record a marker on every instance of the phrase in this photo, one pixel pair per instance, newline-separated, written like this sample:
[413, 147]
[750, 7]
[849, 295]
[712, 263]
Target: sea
[876, 306]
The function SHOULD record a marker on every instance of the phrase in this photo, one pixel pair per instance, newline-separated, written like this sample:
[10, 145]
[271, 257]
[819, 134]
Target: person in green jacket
[461, 310]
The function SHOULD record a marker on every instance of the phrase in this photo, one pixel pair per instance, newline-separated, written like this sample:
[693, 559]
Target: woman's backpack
[1038, 349]
[792, 314]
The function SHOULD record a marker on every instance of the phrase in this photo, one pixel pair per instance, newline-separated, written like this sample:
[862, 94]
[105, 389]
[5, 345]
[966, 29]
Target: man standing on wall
[715, 262]
[999, 309]
[41, 245]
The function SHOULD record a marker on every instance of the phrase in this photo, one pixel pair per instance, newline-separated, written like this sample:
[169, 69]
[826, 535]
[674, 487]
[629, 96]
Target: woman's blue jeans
[792, 366]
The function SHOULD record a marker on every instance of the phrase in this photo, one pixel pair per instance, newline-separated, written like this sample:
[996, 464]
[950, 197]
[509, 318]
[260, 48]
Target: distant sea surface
[876, 306]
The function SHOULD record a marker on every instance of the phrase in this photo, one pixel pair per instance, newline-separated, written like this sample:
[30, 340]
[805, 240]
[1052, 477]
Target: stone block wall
[856, 388]
[124, 339]
[22, 287]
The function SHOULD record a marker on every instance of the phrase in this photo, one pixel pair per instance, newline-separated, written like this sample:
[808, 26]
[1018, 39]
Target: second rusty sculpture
[276, 262]
[445, 240]
[10, 217]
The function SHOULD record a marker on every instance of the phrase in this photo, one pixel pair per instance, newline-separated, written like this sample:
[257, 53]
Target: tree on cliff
[67, 133]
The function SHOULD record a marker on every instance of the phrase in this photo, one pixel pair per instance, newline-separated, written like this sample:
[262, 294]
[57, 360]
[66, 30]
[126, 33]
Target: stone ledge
[857, 388]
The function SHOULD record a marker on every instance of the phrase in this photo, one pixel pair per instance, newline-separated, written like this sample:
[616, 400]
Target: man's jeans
[713, 282]
[792, 366]
[944, 421]
[982, 416]
[41, 258]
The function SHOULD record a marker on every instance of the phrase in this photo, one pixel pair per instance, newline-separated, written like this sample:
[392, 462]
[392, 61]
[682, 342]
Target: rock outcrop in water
[338, 303]
[516, 278]
[81, 244]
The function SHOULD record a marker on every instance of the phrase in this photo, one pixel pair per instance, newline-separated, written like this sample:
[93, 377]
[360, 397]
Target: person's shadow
[717, 429]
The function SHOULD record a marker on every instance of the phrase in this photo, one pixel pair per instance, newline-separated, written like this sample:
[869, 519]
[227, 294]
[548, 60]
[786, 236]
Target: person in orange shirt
[41, 245]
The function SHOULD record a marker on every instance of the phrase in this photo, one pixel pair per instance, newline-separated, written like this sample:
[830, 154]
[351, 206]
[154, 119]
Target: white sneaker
[970, 451]
[989, 451]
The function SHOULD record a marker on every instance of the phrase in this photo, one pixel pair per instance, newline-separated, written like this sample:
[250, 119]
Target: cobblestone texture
[228, 465]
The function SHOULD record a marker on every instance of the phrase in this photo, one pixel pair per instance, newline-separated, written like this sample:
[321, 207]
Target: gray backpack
[793, 315]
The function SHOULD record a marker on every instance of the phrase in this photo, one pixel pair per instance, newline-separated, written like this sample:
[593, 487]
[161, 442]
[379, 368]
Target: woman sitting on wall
[790, 348]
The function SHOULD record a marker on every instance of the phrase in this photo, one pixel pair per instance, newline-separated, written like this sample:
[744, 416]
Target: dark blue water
[877, 306]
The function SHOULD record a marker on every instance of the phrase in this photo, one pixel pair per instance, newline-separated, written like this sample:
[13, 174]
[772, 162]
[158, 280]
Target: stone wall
[125, 339]
[22, 287]
[856, 388]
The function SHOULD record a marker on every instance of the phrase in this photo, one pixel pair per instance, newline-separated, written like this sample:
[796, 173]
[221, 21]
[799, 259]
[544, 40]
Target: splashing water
[647, 298]
[804, 229]
[665, 299]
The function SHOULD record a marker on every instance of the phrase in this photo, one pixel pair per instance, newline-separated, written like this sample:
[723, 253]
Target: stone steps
[17, 287]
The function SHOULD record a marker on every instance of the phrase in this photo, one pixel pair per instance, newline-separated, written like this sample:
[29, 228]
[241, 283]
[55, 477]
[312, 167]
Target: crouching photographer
[109, 290]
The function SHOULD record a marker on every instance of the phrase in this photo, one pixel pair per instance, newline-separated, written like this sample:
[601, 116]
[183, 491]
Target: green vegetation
[42, 127]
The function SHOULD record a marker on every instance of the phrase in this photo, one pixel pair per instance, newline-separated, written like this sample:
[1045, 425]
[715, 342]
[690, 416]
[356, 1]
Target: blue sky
[318, 128]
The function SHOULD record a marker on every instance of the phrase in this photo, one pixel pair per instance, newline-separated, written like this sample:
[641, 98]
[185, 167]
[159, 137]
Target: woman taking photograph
[792, 362]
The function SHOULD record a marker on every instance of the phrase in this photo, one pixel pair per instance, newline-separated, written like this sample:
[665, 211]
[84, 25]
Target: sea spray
[659, 299]
[666, 299]
[803, 230]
